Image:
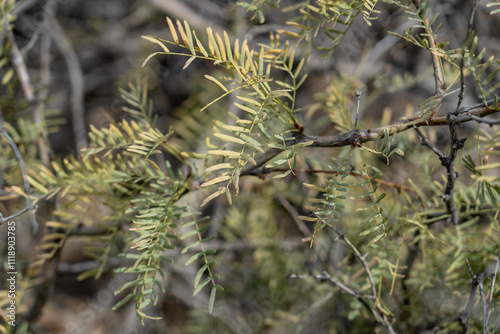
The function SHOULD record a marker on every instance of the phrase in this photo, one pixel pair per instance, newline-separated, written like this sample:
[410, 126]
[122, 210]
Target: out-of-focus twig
[77, 84]
[360, 257]
[293, 213]
[477, 282]
[493, 275]
[22, 6]
[19, 65]
[178, 9]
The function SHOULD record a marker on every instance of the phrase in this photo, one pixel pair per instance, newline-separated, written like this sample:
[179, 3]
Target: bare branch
[427, 143]
[28, 91]
[360, 257]
[357, 137]
[29, 205]
[293, 213]
[477, 282]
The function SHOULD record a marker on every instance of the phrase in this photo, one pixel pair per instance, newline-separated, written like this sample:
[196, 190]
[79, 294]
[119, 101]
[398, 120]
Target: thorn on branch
[459, 144]
[445, 161]
[340, 236]
[445, 197]
[358, 96]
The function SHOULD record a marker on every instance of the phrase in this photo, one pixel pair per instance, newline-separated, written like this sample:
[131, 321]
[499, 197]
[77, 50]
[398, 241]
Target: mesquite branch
[477, 283]
[357, 137]
[375, 310]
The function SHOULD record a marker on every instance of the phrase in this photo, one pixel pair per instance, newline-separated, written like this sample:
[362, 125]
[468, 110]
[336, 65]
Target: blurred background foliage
[84, 60]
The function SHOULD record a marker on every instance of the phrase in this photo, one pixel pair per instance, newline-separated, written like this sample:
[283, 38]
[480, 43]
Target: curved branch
[27, 189]
[77, 84]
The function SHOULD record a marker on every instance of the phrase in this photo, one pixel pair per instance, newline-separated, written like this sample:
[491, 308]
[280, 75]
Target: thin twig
[379, 316]
[264, 170]
[25, 81]
[427, 143]
[358, 96]
[362, 258]
[436, 63]
[17, 214]
[469, 267]
[326, 277]
[354, 138]
[19, 65]
[477, 282]
[27, 190]
[293, 213]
